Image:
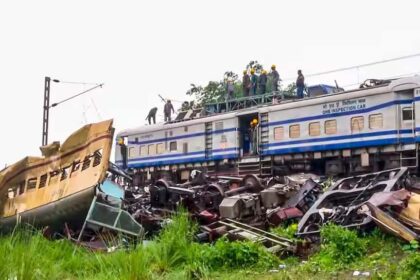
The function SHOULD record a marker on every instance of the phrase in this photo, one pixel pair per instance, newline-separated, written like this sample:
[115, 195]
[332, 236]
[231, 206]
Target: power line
[74, 83]
[358, 66]
[71, 97]
[386, 78]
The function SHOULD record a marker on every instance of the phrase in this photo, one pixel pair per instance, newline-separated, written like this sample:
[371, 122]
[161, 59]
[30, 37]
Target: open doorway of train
[248, 134]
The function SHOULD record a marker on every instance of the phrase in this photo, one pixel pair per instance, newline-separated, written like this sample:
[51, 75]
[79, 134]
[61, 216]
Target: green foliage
[231, 255]
[413, 246]
[253, 64]
[286, 231]
[290, 89]
[174, 255]
[216, 91]
[327, 183]
[339, 248]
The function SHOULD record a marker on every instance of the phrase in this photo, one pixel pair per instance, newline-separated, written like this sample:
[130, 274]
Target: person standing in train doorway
[253, 135]
[123, 151]
[300, 84]
[168, 110]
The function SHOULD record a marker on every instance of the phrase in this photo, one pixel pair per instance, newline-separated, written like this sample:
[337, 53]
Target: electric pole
[46, 111]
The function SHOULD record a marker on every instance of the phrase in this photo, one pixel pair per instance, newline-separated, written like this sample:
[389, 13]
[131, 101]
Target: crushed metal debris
[92, 202]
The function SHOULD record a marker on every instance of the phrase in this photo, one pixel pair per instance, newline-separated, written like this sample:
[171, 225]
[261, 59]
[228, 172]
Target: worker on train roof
[254, 82]
[262, 82]
[276, 78]
[246, 84]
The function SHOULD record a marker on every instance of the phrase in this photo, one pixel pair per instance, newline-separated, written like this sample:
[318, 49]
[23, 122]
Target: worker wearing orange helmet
[253, 134]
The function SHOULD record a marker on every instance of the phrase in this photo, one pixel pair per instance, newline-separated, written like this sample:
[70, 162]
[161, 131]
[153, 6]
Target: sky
[140, 49]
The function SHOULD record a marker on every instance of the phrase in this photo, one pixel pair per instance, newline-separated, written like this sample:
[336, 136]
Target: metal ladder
[208, 139]
[408, 160]
[406, 156]
[266, 163]
[249, 165]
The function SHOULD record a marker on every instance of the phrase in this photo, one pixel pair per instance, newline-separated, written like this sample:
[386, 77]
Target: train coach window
[173, 146]
[315, 129]
[160, 148]
[151, 149]
[407, 114]
[131, 152]
[294, 131]
[357, 123]
[278, 133]
[330, 127]
[376, 121]
[21, 187]
[218, 126]
[31, 184]
[53, 177]
[43, 181]
[143, 150]
[185, 148]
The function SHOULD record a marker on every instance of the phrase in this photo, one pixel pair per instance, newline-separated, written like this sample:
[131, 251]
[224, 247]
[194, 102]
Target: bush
[286, 231]
[340, 247]
[239, 254]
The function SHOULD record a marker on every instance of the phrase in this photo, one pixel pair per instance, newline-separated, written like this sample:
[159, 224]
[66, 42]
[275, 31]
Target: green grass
[173, 255]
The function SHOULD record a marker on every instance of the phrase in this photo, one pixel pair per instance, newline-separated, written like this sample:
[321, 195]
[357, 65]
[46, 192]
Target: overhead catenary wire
[386, 78]
[74, 96]
[75, 83]
[357, 66]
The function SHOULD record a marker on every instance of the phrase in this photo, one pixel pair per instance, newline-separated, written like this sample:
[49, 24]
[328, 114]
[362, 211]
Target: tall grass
[27, 255]
[173, 254]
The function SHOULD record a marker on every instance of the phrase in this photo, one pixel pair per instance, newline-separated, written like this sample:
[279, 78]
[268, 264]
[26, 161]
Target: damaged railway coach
[375, 127]
[58, 187]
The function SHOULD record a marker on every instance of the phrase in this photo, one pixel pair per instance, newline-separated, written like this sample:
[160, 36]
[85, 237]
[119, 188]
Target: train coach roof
[394, 85]
[160, 126]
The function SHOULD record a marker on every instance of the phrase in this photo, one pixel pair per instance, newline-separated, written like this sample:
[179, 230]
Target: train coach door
[407, 130]
[248, 134]
[407, 120]
[416, 105]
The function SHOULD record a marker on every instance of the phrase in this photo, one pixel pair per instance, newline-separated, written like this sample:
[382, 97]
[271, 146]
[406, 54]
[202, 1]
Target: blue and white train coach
[353, 131]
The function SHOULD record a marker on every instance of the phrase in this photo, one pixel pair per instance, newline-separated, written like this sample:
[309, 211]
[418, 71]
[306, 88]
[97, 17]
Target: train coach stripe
[183, 160]
[340, 137]
[181, 155]
[347, 145]
[182, 136]
[340, 114]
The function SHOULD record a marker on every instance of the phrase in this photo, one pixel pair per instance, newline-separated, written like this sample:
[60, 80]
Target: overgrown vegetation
[174, 255]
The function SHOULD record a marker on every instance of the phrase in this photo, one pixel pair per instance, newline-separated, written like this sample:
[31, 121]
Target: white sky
[143, 48]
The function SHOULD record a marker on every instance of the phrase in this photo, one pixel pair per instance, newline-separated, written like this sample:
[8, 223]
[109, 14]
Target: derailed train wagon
[368, 129]
[58, 187]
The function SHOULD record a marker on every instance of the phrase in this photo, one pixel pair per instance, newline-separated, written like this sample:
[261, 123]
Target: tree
[253, 64]
[210, 93]
[214, 91]
[290, 89]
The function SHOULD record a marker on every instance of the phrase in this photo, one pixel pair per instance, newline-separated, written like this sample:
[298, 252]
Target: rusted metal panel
[65, 177]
